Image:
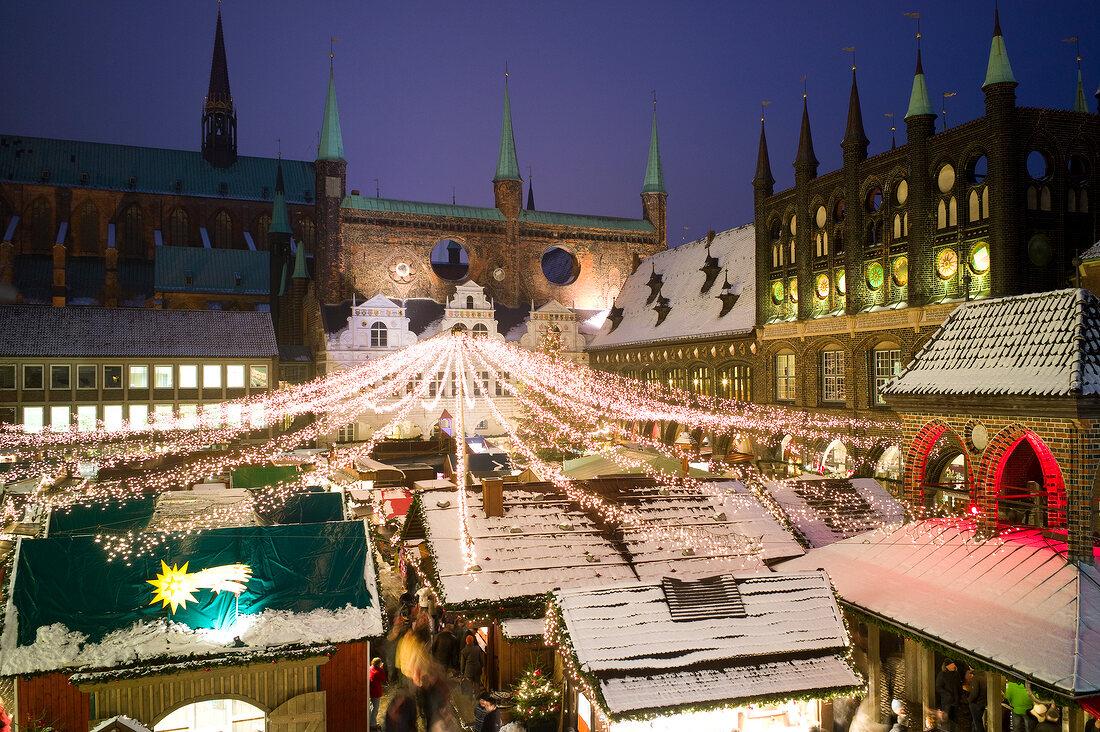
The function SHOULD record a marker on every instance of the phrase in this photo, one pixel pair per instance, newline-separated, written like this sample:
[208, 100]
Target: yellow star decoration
[176, 586]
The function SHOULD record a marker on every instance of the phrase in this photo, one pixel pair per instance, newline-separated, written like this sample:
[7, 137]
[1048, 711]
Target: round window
[979, 258]
[946, 179]
[822, 286]
[901, 271]
[901, 193]
[792, 289]
[841, 285]
[777, 292]
[875, 275]
[819, 217]
[947, 264]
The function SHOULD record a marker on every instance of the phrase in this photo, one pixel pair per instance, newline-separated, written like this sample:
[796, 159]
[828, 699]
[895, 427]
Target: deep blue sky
[420, 84]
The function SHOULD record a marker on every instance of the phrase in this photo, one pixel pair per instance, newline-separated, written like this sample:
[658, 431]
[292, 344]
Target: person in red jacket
[5, 718]
[377, 681]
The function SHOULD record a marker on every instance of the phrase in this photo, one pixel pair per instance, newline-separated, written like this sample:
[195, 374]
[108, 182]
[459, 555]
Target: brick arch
[996, 454]
[916, 459]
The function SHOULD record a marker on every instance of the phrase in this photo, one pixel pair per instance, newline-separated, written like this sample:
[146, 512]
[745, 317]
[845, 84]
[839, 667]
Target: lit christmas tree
[536, 699]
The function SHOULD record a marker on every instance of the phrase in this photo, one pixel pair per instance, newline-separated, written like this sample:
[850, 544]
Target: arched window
[833, 382]
[379, 335]
[222, 233]
[700, 381]
[885, 365]
[676, 378]
[41, 229]
[216, 713]
[259, 233]
[480, 331]
[1044, 199]
[306, 233]
[650, 375]
[87, 238]
[975, 209]
[130, 243]
[1032, 198]
[785, 376]
[178, 232]
[735, 382]
[469, 302]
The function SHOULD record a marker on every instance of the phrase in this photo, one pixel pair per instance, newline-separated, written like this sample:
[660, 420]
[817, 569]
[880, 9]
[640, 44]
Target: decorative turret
[278, 253]
[300, 270]
[507, 183]
[530, 193]
[1080, 101]
[999, 70]
[654, 193]
[855, 138]
[332, 141]
[280, 221]
[805, 161]
[763, 178]
[919, 102]
[219, 116]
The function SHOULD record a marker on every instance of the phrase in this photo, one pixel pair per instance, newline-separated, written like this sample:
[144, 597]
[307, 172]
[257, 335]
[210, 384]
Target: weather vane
[946, 96]
[917, 17]
[852, 50]
[332, 51]
[762, 105]
[1077, 44]
[803, 87]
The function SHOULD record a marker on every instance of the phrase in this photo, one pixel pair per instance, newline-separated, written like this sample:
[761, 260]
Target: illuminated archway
[213, 715]
[1020, 482]
[918, 456]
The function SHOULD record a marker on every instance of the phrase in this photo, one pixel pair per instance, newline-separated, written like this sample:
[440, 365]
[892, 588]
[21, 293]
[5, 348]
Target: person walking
[976, 700]
[1051, 720]
[491, 721]
[1019, 701]
[377, 681]
[472, 661]
[948, 693]
[445, 647]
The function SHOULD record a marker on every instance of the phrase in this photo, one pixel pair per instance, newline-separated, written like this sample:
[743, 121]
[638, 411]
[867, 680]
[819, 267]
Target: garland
[206, 664]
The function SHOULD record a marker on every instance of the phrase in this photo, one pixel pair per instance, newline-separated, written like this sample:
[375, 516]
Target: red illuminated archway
[916, 460]
[992, 472]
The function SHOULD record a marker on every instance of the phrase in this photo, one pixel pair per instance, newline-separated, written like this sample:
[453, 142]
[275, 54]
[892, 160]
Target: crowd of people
[427, 650]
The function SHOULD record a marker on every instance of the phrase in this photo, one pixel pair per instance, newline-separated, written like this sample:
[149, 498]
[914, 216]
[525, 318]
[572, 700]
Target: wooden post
[994, 691]
[874, 670]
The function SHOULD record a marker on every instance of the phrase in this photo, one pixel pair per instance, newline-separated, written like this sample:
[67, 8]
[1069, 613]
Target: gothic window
[1044, 198]
[650, 375]
[480, 331]
[985, 202]
[832, 376]
[130, 242]
[792, 249]
[1032, 198]
[952, 212]
[222, 231]
[87, 239]
[777, 254]
[259, 235]
[735, 382]
[41, 229]
[306, 233]
[379, 336]
[676, 378]
[975, 207]
[821, 243]
[700, 381]
[784, 376]
[178, 233]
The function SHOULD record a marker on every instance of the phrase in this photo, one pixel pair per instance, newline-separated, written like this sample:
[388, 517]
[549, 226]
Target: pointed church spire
[300, 271]
[654, 174]
[280, 221]
[530, 190]
[999, 70]
[919, 102]
[1080, 101]
[507, 165]
[805, 157]
[332, 140]
[219, 117]
[763, 175]
[854, 134]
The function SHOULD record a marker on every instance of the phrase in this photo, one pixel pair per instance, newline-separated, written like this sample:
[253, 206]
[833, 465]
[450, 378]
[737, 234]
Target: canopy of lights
[565, 401]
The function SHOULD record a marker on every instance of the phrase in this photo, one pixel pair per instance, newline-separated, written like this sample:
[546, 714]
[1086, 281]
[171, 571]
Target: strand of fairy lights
[469, 555]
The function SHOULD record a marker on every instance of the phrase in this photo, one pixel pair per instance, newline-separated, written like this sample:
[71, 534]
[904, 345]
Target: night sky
[420, 85]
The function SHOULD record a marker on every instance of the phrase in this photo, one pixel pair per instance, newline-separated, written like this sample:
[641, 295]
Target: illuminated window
[735, 382]
[234, 376]
[86, 417]
[139, 377]
[189, 376]
[112, 417]
[211, 376]
[60, 419]
[189, 416]
[832, 376]
[33, 419]
[887, 365]
[676, 378]
[784, 376]
[257, 377]
[162, 377]
[139, 416]
[700, 380]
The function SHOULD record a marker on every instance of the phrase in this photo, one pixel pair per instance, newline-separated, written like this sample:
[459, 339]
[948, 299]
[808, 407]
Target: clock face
[792, 289]
[901, 271]
[947, 263]
[875, 276]
[823, 286]
[777, 292]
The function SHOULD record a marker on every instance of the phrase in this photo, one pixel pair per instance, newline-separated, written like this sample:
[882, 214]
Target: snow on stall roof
[1042, 344]
[825, 510]
[522, 627]
[120, 722]
[694, 314]
[1016, 604]
[1091, 253]
[545, 541]
[622, 634]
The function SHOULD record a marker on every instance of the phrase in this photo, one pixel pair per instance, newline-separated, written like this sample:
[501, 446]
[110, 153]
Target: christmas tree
[535, 697]
[534, 428]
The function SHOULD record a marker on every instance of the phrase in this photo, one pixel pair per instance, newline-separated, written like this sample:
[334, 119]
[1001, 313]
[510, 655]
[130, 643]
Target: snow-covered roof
[790, 641]
[120, 723]
[825, 510]
[70, 608]
[545, 541]
[1014, 603]
[693, 314]
[1091, 253]
[1043, 344]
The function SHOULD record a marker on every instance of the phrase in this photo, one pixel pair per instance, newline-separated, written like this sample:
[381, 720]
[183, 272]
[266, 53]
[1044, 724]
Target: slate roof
[825, 510]
[37, 330]
[527, 552]
[1014, 603]
[694, 314]
[1043, 344]
[790, 643]
[155, 170]
[212, 270]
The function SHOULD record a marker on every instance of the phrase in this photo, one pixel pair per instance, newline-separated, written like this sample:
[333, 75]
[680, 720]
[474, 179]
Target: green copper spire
[507, 165]
[654, 173]
[1080, 102]
[999, 70]
[280, 222]
[919, 103]
[332, 142]
[300, 271]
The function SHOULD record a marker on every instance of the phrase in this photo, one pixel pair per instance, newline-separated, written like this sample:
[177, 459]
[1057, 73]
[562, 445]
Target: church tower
[219, 116]
[507, 183]
[331, 171]
[654, 193]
